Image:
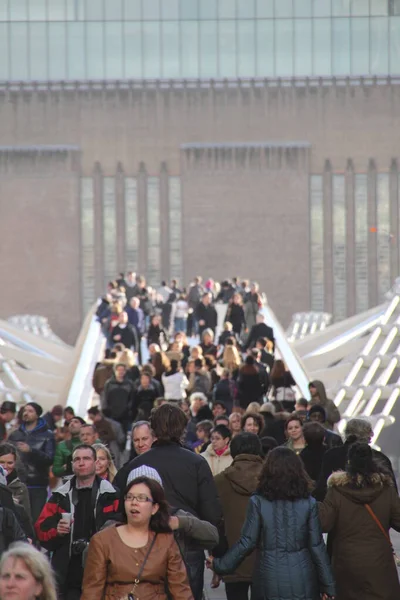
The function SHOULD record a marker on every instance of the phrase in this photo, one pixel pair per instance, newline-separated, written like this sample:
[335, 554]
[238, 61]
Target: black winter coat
[292, 561]
[143, 402]
[105, 504]
[40, 458]
[118, 399]
[235, 315]
[10, 529]
[257, 331]
[187, 478]
[128, 337]
[208, 314]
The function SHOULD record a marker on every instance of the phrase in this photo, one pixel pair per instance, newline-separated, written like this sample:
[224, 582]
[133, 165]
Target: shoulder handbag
[131, 595]
[385, 533]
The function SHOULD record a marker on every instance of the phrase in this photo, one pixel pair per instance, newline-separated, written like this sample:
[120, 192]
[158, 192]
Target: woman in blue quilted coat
[282, 523]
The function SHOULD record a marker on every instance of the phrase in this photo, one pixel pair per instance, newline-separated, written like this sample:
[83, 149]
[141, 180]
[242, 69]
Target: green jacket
[63, 453]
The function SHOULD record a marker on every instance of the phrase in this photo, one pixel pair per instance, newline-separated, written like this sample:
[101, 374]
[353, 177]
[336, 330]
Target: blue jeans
[180, 324]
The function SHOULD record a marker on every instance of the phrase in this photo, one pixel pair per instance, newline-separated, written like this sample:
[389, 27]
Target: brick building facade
[263, 178]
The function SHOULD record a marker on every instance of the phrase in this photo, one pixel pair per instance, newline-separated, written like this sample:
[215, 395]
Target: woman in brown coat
[362, 559]
[117, 554]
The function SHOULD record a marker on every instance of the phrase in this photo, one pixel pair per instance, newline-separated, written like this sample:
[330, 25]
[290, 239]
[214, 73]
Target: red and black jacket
[105, 506]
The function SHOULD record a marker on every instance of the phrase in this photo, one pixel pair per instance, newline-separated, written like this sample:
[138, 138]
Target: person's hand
[215, 581]
[326, 597]
[174, 523]
[23, 447]
[210, 562]
[117, 337]
[63, 527]
[202, 322]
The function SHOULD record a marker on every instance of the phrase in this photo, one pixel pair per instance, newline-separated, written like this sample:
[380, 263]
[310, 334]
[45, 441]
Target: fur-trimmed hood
[361, 491]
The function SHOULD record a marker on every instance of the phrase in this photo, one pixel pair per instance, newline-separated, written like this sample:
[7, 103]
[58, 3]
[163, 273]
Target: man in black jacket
[89, 502]
[118, 397]
[259, 330]
[37, 447]
[206, 314]
[125, 334]
[187, 478]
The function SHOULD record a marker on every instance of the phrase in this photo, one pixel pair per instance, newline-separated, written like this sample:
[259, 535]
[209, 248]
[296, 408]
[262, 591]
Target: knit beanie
[144, 471]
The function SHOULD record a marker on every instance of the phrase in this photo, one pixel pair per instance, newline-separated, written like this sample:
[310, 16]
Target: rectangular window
[361, 242]
[379, 7]
[303, 47]
[4, 10]
[265, 48]
[170, 9]
[57, 50]
[109, 230]
[94, 10]
[227, 48]
[38, 51]
[4, 52]
[360, 8]
[56, 10]
[322, 8]
[87, 241]
[246, 9]
[153, 231]
[284, 34]
[175, 227]
[227, 9]
[190, 49]
[76, 51]
[322, 47]
[360, 46]
[379, 50]
[113, 9]
[18, 10]
[383, 233]
[114, 49]
[394, 60]
[317, 242]
[341, 46]
[339, 247]
[208, 9]
[246, 49]
[151, 49]
[265, 9]
[131, 224]
[341, 8]
[189, 9]
[37, 10]
[303, 8]
[95, 50]
[133, 10]
[19, 51]
[208, 49]
[132, 32]
[284, 8]
[151, 10]
[170, 49]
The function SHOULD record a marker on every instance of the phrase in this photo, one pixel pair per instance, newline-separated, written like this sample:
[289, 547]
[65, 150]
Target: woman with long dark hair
[282, 520]
[360, 507]
[141, 556]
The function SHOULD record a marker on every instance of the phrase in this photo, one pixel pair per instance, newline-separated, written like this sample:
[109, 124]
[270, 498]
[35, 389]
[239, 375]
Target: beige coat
[112, 567]
[217, 463]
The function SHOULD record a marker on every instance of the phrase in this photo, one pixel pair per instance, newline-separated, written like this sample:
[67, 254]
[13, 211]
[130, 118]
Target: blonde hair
[253, 407]
[228, 326]
[37, 564]
[231, 358]
[111, 470]
[199, 351]
[127, 358]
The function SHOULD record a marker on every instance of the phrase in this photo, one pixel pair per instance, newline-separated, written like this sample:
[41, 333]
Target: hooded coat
[331, 410]
[235, 485]
[362, 558]
[292, 562]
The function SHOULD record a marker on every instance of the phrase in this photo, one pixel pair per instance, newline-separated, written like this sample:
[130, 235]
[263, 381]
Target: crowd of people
[201, 453]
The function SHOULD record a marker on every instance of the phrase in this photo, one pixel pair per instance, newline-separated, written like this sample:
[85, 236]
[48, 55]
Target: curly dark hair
[159, 523]
[360, 465]
[257, 419]
[283, 476]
